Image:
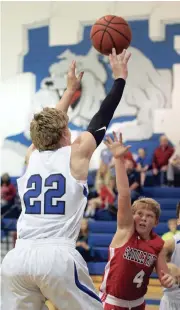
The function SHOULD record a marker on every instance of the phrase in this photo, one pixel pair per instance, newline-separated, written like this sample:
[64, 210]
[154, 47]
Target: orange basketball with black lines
[110, 31]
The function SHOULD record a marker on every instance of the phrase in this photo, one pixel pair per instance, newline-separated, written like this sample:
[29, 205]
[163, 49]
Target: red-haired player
[135, 250]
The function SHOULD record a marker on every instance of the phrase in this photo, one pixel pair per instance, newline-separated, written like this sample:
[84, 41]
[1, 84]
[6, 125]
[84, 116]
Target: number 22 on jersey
[56, 188]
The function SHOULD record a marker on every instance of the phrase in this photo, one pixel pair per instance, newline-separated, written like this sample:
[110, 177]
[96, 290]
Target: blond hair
[47, 128]
[102, 176]
[148, 203]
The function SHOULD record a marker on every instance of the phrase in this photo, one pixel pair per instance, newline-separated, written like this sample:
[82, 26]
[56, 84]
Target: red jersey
[129, 267]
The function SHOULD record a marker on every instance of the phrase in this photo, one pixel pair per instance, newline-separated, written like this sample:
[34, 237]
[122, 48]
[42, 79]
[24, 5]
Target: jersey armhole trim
[120, 247]
[80, 182]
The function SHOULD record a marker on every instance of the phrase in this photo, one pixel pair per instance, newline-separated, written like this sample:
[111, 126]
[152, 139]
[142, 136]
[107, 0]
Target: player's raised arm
[89, 140]
[124, 215]
[73, 84]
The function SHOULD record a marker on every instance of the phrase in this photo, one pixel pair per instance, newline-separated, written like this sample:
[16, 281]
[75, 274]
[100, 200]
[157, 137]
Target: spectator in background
[161, 157]
[173, 166]
[8, 191]
[102, 179]
[172, 225]
[107, 158]
[143, 164]
[106, 197]
[108, 193]
[127, 156]
[134, 179]
[82, 242]
[102, 176]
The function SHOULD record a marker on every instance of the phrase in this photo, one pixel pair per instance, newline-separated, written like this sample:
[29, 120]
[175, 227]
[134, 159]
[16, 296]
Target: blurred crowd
[163, 167]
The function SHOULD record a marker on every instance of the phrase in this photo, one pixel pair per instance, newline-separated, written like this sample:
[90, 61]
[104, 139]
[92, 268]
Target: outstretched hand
[117, 148]
[119, 63]
[73, 81]
[167, 280]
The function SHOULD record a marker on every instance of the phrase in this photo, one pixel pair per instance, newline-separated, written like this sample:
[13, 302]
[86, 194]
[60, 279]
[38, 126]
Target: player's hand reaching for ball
[119, 64]
[117, 148]
[73, 81]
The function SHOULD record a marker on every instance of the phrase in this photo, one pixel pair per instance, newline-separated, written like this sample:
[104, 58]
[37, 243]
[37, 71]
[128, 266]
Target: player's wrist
[70, 91]
[120, 76]
[119, 157]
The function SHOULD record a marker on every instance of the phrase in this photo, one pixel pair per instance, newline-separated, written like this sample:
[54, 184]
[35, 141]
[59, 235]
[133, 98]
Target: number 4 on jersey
[138, 279]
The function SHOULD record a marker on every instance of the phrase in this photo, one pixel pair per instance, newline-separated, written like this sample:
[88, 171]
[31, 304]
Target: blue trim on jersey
[84, 288]
[178, 242]
[85, 192]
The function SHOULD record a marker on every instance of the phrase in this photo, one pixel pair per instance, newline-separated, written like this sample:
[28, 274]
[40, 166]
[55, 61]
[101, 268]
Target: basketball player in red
[135, 250]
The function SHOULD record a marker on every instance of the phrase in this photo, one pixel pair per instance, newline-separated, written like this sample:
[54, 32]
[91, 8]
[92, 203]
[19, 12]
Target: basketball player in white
[53, 192]
[171, 297]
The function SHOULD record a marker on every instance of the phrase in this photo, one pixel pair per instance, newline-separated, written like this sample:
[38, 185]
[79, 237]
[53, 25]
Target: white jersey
[174, 292]
[53, 201]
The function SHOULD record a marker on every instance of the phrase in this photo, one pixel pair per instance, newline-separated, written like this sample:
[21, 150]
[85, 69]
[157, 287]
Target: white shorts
[47, 269]
[169, 304]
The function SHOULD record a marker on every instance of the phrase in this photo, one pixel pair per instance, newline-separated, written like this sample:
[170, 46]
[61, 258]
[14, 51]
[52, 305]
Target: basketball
[110, 31]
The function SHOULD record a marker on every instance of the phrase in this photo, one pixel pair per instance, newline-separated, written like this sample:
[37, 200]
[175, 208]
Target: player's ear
[65, 135]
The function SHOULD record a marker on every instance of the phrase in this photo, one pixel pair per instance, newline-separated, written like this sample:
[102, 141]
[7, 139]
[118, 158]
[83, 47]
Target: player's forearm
[124, 215]
[65, 101]
[99, 123]
[122, 182]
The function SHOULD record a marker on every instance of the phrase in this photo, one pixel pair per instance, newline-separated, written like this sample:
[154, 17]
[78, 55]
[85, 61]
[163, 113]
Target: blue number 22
[34, 186]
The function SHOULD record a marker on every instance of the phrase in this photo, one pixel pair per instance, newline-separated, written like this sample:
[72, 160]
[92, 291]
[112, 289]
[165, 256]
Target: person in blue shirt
[143, 164]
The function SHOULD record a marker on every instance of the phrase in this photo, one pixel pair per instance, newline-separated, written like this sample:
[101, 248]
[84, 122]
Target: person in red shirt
[106, 197]
[135, 249]
[8, 191]
[129, 156]
[161, 158]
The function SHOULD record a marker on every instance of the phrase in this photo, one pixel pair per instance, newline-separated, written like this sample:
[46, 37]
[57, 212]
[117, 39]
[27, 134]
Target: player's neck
[145, 236]
[64, 143]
